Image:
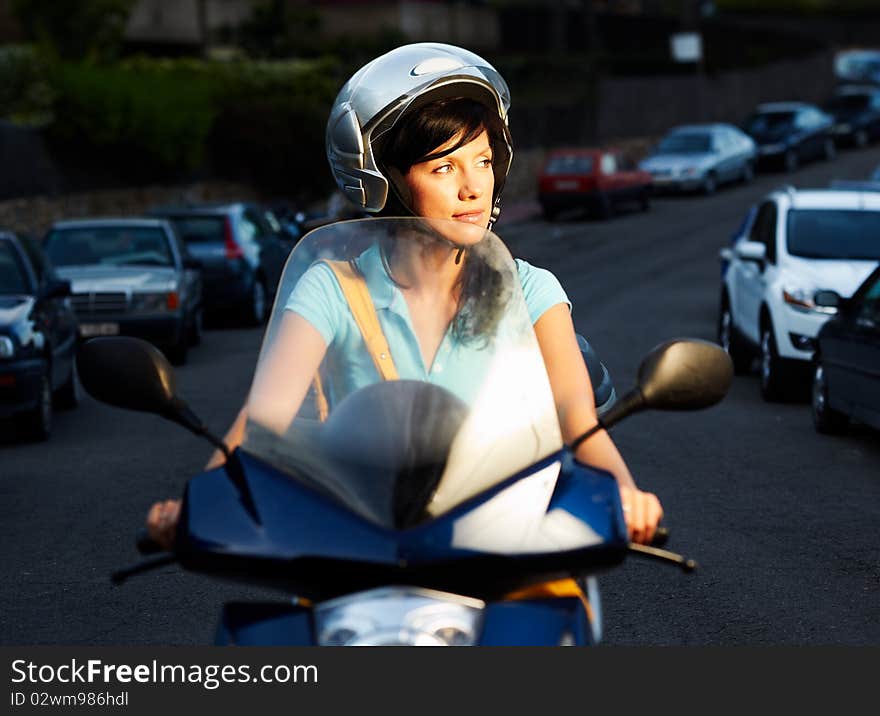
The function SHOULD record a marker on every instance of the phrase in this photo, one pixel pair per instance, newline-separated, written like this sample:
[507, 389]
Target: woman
[422, 131]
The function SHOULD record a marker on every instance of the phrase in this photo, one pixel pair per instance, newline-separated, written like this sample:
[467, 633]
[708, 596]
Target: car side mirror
[829, 300]
[751, 251]
[57, 288]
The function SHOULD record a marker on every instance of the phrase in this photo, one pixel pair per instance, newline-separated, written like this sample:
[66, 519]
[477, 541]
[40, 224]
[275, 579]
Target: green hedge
[144, 123]
[151, 120]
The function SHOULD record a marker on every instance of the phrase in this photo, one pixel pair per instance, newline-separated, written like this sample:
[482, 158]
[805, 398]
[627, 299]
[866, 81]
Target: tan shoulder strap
[355, 290]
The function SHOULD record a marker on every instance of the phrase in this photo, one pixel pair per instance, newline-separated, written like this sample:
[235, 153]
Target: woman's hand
[642, 511]
[162, 522]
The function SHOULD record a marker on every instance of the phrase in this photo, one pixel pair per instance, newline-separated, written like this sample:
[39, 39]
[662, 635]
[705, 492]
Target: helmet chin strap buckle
[496, 211]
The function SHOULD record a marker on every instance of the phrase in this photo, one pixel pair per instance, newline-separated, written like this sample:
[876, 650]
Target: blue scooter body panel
[318, 548]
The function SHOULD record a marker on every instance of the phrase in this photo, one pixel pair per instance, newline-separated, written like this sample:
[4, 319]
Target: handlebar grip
[661, 536]
[146, 544]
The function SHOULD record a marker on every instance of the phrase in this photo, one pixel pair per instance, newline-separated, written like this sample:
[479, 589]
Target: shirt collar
[384, 292]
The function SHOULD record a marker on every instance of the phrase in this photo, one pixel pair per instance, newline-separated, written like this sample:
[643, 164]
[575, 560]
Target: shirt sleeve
[541, 289]
[317, 298]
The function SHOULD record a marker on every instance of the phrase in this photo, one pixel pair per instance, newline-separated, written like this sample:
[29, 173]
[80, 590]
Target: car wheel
[829, 149]
[774, 384]
[37, 422]
[710, 184]
[549, 213]
[257, 305]
[69, 395]
[748, 173]
[605, 209]
[196, 327]
[791, 160]
[825, 419]
[178, 354]
[860, 138]
[730, 340]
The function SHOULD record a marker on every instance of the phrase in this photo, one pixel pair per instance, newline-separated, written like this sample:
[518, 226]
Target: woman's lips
[470, 217]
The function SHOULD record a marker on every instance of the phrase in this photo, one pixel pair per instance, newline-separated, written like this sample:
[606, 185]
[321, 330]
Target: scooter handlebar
[145, 544]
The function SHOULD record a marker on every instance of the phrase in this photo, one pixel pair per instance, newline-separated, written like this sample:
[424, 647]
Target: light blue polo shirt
[459, 367]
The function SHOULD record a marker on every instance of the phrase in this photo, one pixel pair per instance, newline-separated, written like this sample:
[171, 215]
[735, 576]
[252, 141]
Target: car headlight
[802, 300]
[399, 616]
[7, 347]
[159, 302]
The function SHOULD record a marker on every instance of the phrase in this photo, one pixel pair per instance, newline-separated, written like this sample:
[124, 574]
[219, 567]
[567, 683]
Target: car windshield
[109, 246]
[12, 274]
[569, 164]
[834, 234]
[685, 143]
[472, 405]
[769, 122]
[848, 102]
[200, 229]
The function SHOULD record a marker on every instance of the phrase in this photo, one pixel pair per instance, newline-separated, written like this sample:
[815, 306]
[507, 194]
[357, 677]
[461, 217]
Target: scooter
[410, 515]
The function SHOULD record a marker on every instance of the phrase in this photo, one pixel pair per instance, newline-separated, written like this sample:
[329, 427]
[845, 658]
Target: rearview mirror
[57, 288]
[128, 373]
[680, 374]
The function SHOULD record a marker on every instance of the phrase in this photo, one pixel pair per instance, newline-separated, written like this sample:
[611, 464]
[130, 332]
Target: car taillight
[233, 250]
[172, 300]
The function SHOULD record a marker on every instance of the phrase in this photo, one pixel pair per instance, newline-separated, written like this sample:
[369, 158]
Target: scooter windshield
[400, 372]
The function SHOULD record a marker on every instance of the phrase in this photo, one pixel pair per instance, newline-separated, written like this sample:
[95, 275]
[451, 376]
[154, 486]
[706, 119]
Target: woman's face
[457, 186]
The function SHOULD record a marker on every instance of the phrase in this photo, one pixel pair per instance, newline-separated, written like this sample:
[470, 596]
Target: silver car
[130, 277]
[701, 157]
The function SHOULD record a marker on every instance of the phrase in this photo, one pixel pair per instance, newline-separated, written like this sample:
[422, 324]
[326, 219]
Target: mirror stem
[186, 417]
[630, 403]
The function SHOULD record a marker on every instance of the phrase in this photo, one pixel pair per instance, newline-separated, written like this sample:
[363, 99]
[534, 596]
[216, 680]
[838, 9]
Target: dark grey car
[241, 251]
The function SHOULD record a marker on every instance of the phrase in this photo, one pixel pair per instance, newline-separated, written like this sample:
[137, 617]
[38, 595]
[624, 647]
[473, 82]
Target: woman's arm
[281, 382]
[576, 408]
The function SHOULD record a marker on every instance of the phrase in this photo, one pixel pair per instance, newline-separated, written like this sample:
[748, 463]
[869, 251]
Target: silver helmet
[387, 88]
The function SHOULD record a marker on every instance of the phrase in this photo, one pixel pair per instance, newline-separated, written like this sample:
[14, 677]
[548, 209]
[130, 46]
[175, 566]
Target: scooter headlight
[399, 616]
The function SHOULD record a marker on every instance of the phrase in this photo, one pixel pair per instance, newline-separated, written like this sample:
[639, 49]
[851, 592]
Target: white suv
[793, 244]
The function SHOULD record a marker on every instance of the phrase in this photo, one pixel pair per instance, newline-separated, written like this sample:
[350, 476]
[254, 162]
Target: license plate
[564, 185]
[87, 330]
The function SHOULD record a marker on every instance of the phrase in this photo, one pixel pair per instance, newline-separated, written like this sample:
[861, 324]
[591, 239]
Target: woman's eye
[486, 162]
[443, 169]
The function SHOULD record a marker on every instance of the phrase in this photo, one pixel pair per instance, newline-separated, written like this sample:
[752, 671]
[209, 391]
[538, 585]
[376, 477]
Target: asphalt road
[784, 522]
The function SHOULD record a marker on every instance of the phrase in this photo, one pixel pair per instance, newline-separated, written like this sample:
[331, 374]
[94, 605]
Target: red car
[593, 179]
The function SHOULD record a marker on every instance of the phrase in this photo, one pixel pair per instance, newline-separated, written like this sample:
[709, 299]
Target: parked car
[790, 133]
[856, 112]
[798, 242]
[131, 277]
[242, 255]
[858, 65]
[701, 157]
[597, 180]
[846, 366]
[38, 332]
